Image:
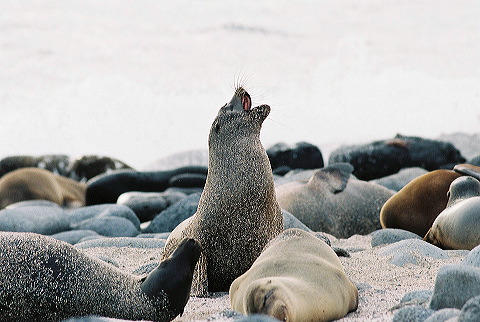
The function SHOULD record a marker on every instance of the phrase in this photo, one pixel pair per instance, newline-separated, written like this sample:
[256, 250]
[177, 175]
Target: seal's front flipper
[174, 276]
[334, 176]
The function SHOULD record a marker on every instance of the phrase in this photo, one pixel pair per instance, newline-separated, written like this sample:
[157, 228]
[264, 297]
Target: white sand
[381, 284]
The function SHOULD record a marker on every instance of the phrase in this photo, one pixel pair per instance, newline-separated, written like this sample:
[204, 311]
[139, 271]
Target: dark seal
[238, 213]
[44, 279]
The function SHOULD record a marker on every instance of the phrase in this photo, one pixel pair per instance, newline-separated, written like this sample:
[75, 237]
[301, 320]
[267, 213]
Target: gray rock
[159, 235]
[43, 219]
[399, 180]
[168, 219]
[29, 203]
[412, 314]
[92, 319]
[470, 311]
[123, 242]
[290, 221]
[473, 257]
[390, 236]
[229, 315]
[411, 251]
[106, 210]
[443, 315]
[109, 226]
[418, 297]
[454, 286]
[74, 236]
[147, 205]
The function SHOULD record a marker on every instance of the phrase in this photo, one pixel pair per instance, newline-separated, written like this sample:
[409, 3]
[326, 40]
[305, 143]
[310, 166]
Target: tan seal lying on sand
[238, 213]
[458, 226]
[39, 184]
[297, 277]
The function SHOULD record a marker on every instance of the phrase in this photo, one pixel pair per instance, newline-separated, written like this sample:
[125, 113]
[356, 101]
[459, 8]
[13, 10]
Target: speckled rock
[411, 251]
[168, 219]
[473, 257]
[443, 315]
[74, 236]
[93, 319]
[106, 210]
[147, 205]
[412, 314]
[123, 242]
[229, 315]
[455, 285]
[418, 297]
[30, 203]
[398, 180]
[390, 236]
[46, 220]
[109, 226]
[470, 311]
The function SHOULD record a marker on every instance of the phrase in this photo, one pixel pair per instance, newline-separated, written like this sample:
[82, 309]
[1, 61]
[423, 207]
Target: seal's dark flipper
[174, 275]
[335, 176]
[468, 169]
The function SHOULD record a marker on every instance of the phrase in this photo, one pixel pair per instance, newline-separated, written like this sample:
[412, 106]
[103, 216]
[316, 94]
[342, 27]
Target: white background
[140, 80]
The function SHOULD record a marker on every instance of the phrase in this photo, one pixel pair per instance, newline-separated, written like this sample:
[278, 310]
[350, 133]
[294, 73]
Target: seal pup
[415, 206]
[40, 184]
[331, 201]
[237, 213]
[297, 277]
[458, 225]
[47, 279]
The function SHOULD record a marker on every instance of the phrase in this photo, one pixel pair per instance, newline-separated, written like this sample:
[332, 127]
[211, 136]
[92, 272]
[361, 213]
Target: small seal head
[463, 188]
[238, 117]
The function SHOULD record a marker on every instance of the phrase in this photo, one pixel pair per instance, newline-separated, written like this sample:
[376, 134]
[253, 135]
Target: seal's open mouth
[246, 99]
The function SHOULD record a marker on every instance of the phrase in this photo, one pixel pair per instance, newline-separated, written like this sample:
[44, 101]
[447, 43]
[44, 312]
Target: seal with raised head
[238, 212]
[331, 201]
[50, 280]
[40, 184]
[458, 225]
[415, 206]
[298, 277]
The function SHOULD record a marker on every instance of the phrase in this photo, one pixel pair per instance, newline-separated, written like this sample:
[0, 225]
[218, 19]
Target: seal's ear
[334, 176]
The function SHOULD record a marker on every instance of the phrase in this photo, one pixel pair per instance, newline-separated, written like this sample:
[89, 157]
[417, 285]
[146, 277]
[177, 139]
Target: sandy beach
[381, 284]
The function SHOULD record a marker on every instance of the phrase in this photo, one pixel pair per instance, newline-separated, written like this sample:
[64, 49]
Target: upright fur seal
[458, 225]
[297, 277]
[238, 213]
[44, 279]
[39, 184]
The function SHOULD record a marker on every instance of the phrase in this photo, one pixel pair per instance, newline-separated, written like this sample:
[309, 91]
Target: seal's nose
[240, 101]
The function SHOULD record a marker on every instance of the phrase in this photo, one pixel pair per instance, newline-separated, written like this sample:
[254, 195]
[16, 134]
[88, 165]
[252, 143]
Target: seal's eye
[217, 128]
